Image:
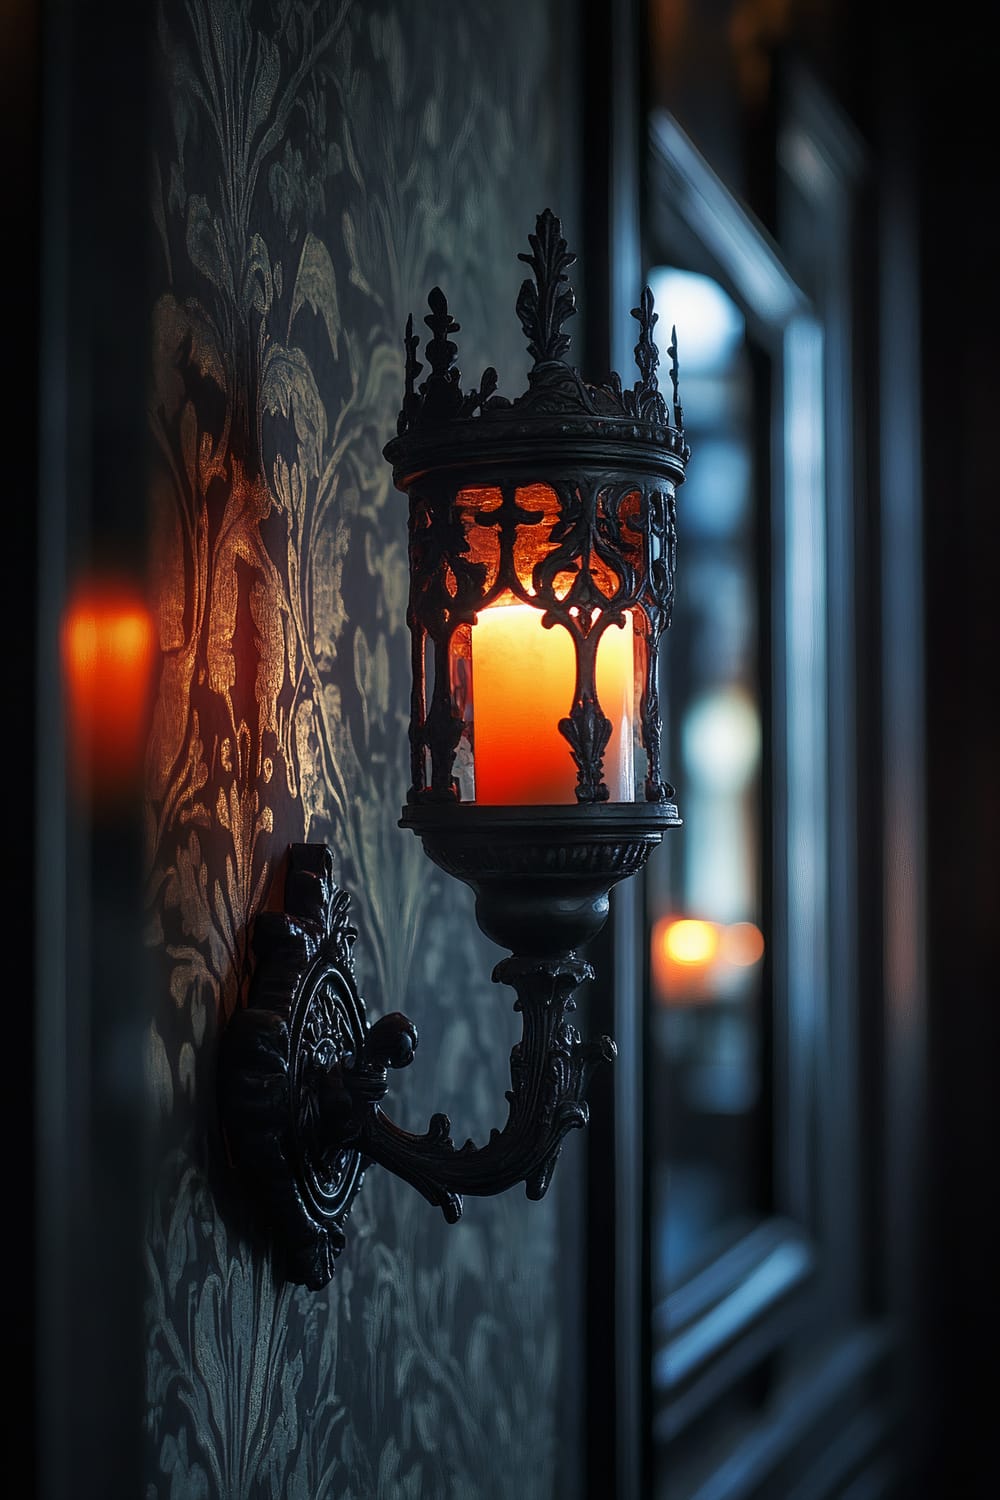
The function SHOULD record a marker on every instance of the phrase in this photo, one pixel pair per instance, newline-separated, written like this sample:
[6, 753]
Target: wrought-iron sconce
[542, 547]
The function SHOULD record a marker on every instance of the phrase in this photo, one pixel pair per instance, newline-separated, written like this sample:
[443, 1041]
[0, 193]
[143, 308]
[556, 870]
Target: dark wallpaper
[317, 169]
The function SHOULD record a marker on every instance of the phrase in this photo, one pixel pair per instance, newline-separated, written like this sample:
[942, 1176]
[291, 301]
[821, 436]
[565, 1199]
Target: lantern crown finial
[440, 423]
[544, 305]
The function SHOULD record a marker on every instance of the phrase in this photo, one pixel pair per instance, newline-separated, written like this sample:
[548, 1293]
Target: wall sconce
[542, 545]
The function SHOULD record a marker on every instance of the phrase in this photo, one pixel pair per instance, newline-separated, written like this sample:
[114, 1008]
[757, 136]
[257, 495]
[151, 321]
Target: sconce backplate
[282, 1063]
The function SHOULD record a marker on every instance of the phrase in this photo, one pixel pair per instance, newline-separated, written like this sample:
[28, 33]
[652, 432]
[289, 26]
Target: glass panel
[514, 671]
[523, 682]
[706, 942]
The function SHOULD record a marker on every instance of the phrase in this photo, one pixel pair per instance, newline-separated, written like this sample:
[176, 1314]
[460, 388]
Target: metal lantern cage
[556, 510]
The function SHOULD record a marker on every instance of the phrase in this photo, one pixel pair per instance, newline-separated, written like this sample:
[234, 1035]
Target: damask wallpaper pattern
[317, 168]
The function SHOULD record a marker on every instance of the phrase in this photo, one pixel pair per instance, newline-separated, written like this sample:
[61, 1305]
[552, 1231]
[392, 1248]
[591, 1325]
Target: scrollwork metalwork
[554, 386]
[299, 1064]
[545, 306]
[608, 458]
[617, 563]
[549, 1068]
[303, 1077]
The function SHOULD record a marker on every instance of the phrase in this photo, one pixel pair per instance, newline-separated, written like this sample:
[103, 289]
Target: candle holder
[542, 551]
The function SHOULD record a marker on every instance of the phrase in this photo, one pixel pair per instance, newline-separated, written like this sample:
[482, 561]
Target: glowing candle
[523, 681]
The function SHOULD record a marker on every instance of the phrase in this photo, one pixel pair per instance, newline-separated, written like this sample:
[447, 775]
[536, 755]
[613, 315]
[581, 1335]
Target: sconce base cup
[542, 875]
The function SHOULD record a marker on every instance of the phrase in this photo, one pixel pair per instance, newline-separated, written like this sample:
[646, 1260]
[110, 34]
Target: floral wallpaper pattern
[318, 166]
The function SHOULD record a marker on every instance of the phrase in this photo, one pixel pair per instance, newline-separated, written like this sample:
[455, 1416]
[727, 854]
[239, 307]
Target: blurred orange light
[107, 651]
[693, 960]
[689, 941]
[742, 944]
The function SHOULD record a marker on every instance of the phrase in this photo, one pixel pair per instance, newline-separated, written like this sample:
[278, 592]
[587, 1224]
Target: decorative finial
[544, 308]
[556, 389]
[441, 390]
[672, 352]
[648, 400]
[413, 367]
[440, 350]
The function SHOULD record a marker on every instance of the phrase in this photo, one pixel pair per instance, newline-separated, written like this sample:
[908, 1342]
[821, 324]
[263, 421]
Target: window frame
[794, 1282]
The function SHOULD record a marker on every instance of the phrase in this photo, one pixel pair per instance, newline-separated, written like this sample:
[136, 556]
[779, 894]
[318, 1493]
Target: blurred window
[706, 937]
[761, 1342]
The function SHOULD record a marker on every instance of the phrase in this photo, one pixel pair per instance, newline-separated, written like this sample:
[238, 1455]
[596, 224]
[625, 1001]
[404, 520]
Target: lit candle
[523, 682]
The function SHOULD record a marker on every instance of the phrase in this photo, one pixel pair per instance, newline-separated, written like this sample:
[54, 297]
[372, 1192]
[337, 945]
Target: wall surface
[317, 169]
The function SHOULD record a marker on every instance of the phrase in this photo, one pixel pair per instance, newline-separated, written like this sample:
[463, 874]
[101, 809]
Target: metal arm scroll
[549, 1070]
[303, 1075]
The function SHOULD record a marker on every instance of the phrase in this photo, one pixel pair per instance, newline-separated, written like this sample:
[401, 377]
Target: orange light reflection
[695, 961]
[107, 657]
[689, 941]
[741, 944]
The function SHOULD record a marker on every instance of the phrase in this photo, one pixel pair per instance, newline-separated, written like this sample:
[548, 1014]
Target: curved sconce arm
[549, 1071]
[303, 1076]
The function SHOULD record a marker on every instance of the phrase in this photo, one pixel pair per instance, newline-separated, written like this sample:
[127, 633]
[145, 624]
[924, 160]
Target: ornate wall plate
[282, 1063]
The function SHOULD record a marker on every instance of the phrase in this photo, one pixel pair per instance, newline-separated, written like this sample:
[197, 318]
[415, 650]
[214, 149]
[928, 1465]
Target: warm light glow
[523, 682]
[689, 941]
[107, 648]
[694, 961]
[742, 944]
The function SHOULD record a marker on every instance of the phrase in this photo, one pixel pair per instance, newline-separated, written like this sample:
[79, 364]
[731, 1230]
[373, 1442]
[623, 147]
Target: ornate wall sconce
[542, 546]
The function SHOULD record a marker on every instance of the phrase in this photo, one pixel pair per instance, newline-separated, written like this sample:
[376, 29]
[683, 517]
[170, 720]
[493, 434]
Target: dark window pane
[705, 924]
